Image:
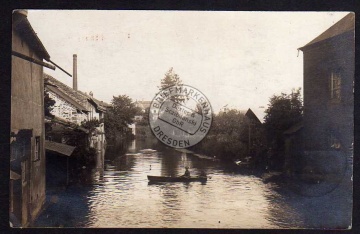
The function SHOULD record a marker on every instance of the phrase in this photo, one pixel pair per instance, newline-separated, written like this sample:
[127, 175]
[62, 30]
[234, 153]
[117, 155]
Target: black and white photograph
[182, 119]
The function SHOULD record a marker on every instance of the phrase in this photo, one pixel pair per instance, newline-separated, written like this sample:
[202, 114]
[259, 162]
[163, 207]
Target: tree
[91, 125]
[228, 136]
[283, 111]
[170, 79]
[119, 116]
[48, 104]
[231, 133]
[48, 107]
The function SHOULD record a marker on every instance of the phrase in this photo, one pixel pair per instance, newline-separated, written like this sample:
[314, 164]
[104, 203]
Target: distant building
[254, 126]
[329, 66]
[144, 106]
[252, 117]
[136, 129]
[27, 159]
[246, 112]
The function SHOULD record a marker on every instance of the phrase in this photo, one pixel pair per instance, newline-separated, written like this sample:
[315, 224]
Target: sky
[238, 59]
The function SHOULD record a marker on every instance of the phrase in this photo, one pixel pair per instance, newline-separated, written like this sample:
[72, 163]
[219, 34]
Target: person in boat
[187, 172]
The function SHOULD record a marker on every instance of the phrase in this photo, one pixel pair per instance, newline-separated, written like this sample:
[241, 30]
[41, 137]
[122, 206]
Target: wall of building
[323, 116]
[27, 112]
[98, 141]
[92, 114]
[65, 110]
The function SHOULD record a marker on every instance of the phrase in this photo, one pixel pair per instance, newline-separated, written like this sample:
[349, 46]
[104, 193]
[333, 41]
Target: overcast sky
[239, 59]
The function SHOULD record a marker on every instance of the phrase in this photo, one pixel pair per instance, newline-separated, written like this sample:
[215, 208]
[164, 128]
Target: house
[27, 157]
[328, 123]
[69, 105]
[71, 108]
[256, 142]
[144, 106]
[73, 105]
[254, 126]
[137, 129]
[252, 117]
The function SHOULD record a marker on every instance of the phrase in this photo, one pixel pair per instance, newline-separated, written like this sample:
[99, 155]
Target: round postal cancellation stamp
[180, 116]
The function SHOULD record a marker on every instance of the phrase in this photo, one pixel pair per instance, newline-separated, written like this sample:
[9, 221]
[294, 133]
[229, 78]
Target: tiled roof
[344, 25]
[66, 123]
[75, 95]
[100, 105]
[66, 98]
[63, 149]
[78, 96]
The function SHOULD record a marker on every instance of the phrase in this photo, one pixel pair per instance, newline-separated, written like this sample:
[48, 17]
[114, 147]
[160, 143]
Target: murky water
[121, 196]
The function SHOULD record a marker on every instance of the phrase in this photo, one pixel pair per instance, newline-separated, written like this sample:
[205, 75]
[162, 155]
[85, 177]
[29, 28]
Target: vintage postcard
[182, 119]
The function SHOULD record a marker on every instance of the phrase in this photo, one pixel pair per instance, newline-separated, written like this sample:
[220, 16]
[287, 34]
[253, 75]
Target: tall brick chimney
[75, 72]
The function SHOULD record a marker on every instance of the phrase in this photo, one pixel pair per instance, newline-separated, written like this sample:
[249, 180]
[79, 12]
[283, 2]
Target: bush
[84, 157]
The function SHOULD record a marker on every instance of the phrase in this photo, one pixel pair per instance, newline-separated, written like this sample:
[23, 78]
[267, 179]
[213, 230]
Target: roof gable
[143, 104]
[251, 115]
[77, 96]
[344, 25]
[22, 26]
[66, 97]
[100, 105]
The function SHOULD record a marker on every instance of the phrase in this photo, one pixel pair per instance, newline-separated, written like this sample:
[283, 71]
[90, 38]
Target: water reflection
[126, 197]
[121, 196]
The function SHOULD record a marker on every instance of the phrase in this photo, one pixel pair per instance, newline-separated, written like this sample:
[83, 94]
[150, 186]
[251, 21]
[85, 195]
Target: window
[335, 86]
[37, 149]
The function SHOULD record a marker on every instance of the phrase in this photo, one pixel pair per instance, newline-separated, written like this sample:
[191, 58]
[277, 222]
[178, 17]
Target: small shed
[61, 150]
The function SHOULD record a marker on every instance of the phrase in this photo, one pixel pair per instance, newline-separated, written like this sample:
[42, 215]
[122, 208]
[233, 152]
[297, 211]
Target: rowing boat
[176, 179]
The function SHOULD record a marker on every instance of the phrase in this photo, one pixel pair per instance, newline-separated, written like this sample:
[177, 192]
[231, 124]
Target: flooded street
[121, 196]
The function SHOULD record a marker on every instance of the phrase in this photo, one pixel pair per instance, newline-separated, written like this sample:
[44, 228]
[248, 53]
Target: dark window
[37, 149]
[335, 86]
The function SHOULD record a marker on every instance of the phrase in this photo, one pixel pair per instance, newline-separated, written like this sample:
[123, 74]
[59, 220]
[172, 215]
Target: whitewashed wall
[65, 110]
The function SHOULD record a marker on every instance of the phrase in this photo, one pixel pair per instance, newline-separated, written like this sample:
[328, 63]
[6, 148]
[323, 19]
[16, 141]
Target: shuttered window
[335, 86]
